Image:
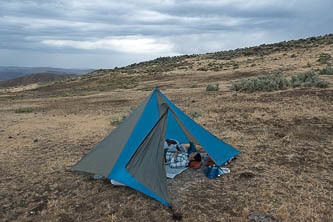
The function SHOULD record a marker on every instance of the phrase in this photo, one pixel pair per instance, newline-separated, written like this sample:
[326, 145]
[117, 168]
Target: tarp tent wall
[174, 131]
[220, 151]
[133, 153]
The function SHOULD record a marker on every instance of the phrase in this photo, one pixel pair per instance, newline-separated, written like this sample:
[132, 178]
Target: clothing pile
[178, 156]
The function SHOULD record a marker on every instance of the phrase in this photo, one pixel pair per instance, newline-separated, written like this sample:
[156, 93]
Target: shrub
[328, 70]
[195, 114]
[25, 110]
[114, 121]
[236, 66]
[324, 58]
[308, 79]
[124, 116]
[202, 69]
[322, 84]
[213, 87]
[278, 82]
[261, 83]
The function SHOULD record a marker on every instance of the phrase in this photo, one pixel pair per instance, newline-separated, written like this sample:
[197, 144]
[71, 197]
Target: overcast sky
[108, 33]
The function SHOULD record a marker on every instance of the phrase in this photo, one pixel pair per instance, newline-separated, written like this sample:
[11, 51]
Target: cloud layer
[64, 32]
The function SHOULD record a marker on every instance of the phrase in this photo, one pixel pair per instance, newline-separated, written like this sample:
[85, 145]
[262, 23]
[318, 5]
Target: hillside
[287, 58]
[11, 72]
[34, 78]
[283, 173]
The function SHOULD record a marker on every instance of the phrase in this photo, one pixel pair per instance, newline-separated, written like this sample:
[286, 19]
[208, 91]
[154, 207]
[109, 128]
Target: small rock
[10, 137]
[35, 140]
[281, 135]
[247, 175]
[177, 216]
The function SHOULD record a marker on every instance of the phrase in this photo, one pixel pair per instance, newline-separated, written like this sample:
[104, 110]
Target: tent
[133, 154]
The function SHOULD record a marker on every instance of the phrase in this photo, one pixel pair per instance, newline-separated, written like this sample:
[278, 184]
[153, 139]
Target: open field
[285, 138]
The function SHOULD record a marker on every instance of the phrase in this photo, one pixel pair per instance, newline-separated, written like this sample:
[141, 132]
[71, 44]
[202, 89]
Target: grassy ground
[285, 138]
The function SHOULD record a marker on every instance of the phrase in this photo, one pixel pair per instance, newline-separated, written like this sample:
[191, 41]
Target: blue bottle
[212, 172]
[192, 148]
[207, 170]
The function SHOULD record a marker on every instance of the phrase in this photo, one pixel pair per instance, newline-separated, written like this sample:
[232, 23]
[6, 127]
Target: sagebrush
[215, 87]
[261, 83]
[308, 79]
[278, 82]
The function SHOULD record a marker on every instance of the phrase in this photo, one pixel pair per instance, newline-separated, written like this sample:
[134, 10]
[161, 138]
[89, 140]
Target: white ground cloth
[172, 172]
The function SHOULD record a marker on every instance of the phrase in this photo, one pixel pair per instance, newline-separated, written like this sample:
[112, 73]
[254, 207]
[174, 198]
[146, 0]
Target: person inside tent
[178, 156]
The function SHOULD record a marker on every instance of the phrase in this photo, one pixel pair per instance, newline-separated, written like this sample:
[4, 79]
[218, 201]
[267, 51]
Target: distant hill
[34, 78]
[287, 58]
[11, 72]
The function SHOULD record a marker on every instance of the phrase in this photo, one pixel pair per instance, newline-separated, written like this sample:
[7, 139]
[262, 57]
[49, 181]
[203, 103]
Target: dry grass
[284, 169]
[285, 139]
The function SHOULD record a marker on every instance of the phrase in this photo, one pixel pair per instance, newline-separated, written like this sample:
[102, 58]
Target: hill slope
[192, 71]
[11, 72]
[34, 78]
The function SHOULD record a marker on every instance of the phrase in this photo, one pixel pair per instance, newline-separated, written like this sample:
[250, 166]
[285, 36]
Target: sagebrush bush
[261, 83]
[202, 69]
[328, 70]
[195, 114]
[278, 82]
[324, 58]
[308, 79]
[213, 87]
[25, 110]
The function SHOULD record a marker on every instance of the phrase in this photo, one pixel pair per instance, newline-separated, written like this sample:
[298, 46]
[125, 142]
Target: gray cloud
[105, 33]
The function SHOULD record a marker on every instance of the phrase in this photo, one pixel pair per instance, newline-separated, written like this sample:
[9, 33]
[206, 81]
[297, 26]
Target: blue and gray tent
[133, 154]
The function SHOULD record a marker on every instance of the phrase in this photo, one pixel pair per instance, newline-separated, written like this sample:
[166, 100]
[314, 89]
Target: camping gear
[204, 156]
[169, 141]
[192, 148]
[195, 160]
[97, 177]
[195, 164]
[210, 162]
[223, 170]
[197, 156]
[116, 183]
[212, 172]
[172, 172]
[133, 153]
